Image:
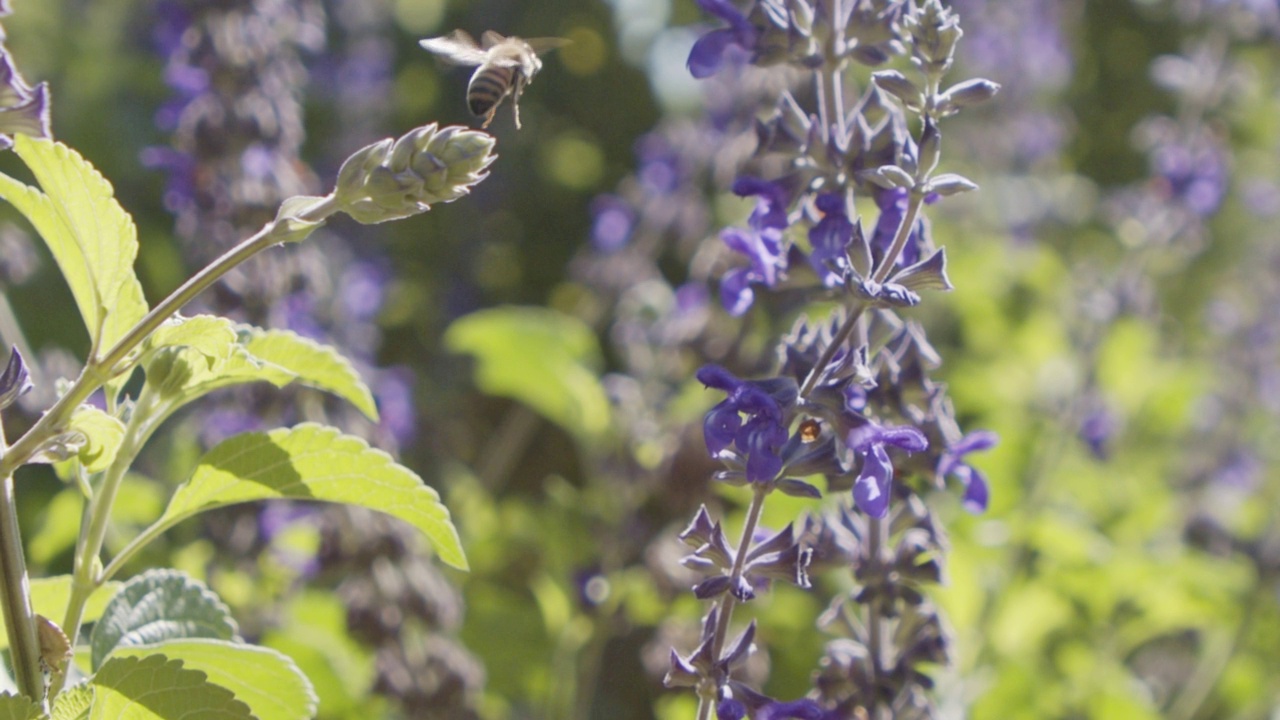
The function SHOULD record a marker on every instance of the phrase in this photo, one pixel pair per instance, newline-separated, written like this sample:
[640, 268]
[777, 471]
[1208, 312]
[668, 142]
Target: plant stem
[899, 239]
[726, 606]
[98, 371]
[15, 595]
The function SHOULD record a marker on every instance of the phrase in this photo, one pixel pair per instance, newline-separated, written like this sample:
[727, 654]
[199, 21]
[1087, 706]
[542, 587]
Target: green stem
[900, 239]
[99, 370]
[15, 595]
[706, 702]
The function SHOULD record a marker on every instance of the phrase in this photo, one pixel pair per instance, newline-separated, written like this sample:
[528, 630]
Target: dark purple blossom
[795, 710]
[830, 238]
[871, 489]
[711, 50]
[759, 438]
[761, 241]
[975, 483]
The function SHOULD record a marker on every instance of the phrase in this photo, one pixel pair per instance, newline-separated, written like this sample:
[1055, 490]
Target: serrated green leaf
[49, 597]
[18, 707]
[73, 703]
[157, 688]
[266, 680]
[316, 365]
[209, 335]
[159, 605]
[103, 433]
[91, 237]
[314, 462]
[543, 358]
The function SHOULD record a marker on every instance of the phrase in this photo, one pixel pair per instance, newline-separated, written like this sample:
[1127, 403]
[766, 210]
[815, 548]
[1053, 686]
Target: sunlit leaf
[313, 462]
[18, 707]
[268, 681]
[103, 433]
[90, 236]
[209, 335]
[543, 358]
[73, 703]
[159, 605]
[157, 688]
[315, 365]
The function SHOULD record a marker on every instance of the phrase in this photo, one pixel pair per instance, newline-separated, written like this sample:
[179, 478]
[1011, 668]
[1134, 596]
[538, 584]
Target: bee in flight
[506, 66]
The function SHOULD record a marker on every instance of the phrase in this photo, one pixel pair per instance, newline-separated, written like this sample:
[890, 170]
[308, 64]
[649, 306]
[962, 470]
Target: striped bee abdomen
[488, 86]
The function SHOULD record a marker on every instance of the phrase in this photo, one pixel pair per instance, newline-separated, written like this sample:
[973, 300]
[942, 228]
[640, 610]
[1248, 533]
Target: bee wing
[458, 47]
[489, 38]
[546, 44]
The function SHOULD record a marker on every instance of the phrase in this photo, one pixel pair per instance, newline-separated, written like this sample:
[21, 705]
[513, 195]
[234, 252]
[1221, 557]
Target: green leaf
[209, 335]
[49, 597]
[268, 681]
[159, 605]
[157, 688]
[316, 365]
[543, 358]
[314, 462]
[103, 433]
[90, 236]
[73, 703]
[18, 707]
[293, 228]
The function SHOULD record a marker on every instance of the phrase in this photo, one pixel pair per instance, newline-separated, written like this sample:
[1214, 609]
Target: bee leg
[515, 100]
[488, 117]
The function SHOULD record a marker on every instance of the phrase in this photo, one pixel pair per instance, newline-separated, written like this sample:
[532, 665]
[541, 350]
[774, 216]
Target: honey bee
[506, 66]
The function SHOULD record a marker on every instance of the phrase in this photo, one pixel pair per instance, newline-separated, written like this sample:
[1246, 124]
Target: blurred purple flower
[760, 241]
[830, 239]
[223, 422]
[362, 289]
[711, 50]
[393, 391]
[952, 463]
[612, 220]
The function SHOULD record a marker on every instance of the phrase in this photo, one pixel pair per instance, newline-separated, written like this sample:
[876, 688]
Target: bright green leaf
[73, 703]
[104, 434]
[157, 688]
[18, 707]
[543, 358]
[313, 462]
[91, 237]
[49, 597]
[268, 681]
[209, 335]
[315, 365]
[160, 605]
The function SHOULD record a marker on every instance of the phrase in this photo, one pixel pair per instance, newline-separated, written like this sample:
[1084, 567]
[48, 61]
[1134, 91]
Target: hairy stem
[705, 704]
[15, 594]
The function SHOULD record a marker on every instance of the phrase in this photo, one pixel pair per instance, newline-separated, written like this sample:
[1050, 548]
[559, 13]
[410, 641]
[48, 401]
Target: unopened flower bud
[935, 29]
[22, 109]
[15, 381]
[967, 94]
[389, 180]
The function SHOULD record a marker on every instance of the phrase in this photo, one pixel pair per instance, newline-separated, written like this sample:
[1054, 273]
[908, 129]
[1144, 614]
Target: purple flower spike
[796, 710]
[710, 51]
[760, 241]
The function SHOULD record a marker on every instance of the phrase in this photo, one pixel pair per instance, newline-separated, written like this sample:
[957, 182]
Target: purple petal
[724, 10]
[976, 494]
[708, 52]
[720, 428]
[714, 376]
[871, 489]
[735, 291]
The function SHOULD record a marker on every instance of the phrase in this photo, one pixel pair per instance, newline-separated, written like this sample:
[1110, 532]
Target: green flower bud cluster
[393, 179]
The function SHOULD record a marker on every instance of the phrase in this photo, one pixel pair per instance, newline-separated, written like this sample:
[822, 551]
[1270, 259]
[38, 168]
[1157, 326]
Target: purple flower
[393, 390]
[975, 483]
[710, 51]
[760, 241]
[871, 489]
[612, 220]
[795, 710]
[759, 438]
[830, 239]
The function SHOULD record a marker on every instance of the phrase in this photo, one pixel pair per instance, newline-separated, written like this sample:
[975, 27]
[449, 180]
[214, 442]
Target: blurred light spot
[672, 83]
[417, 87]
[573, 161]
[419, 16]
[585, 52]
[638, 21]
[596, 590]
